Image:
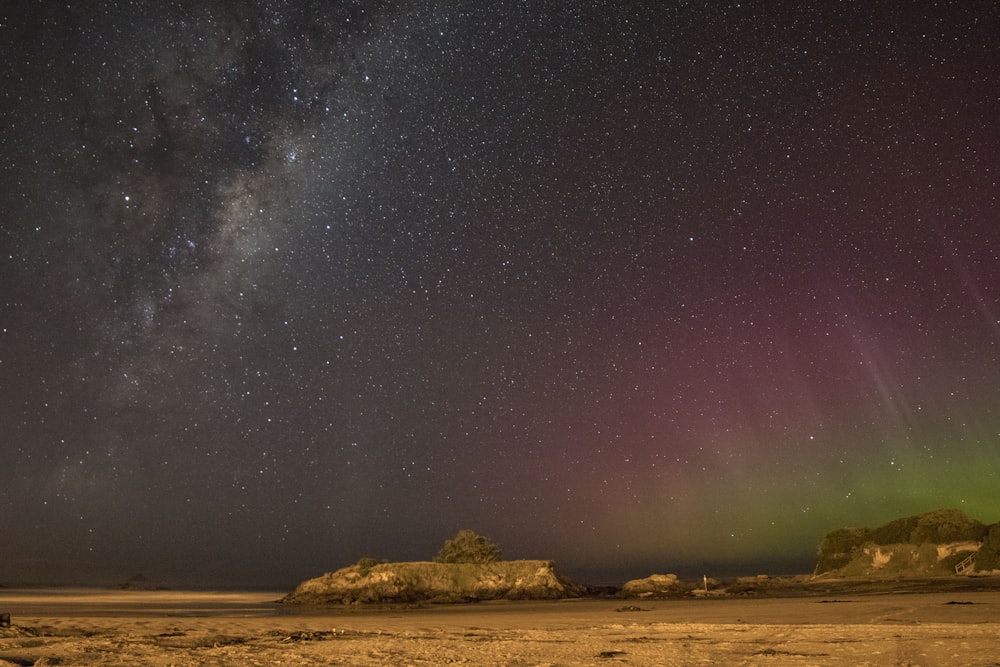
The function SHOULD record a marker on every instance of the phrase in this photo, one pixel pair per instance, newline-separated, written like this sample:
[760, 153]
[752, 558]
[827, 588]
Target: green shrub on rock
[897, 531]
[468, 547]
[988, 558]
[365, 565]
[943, 526]
[841, 546]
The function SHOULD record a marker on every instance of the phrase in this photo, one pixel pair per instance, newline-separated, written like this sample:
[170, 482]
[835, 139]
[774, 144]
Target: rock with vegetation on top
[412, 582]
[929, 544]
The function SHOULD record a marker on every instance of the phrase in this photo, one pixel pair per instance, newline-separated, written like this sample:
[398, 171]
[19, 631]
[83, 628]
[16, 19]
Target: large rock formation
[435, 582]
[938, 543]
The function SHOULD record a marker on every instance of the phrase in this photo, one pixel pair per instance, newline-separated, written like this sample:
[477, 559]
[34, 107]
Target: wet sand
[99, 627]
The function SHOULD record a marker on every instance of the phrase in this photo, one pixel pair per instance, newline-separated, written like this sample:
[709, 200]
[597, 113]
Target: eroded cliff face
[940, 542]
[875, 560]
[436, 582]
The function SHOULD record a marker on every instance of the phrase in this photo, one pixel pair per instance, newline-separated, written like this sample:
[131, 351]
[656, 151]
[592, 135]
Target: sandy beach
[99, 627]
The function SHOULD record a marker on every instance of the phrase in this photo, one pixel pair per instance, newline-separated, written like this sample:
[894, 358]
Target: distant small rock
[139, 583]
[655, 585]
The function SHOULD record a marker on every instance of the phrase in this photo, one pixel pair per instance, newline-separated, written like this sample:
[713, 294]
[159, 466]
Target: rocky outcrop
[436, 582]
[655, 585]
[930, 560]
[938, 543]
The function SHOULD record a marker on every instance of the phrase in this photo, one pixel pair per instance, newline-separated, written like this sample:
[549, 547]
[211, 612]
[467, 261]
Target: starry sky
[635, 286]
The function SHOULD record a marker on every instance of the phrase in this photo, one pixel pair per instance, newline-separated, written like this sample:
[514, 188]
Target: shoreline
[161, 628]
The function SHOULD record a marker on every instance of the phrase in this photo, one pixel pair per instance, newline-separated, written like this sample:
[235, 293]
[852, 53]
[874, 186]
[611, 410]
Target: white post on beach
[705, 577]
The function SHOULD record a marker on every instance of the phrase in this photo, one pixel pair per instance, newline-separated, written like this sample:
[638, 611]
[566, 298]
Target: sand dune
[178, 628]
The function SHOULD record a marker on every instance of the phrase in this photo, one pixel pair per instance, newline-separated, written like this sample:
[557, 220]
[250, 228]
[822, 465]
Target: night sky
[635, 286]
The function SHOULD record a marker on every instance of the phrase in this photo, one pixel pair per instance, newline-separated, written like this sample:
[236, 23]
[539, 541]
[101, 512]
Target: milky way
[642, 288]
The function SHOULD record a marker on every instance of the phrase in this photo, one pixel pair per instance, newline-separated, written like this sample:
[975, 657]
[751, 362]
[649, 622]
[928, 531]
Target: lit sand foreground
[89, 627]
